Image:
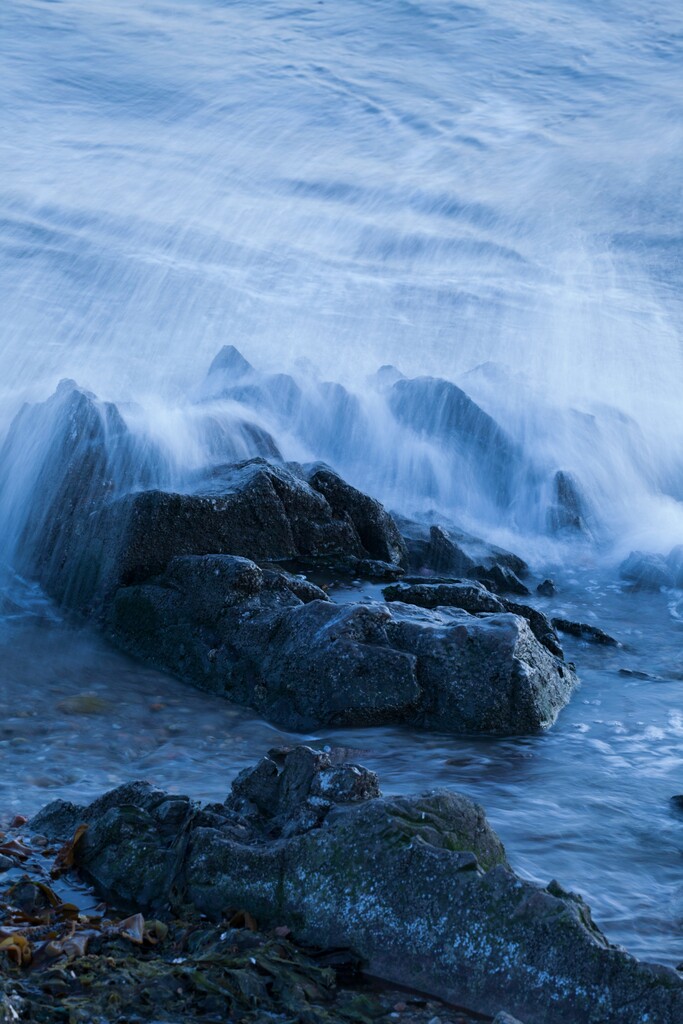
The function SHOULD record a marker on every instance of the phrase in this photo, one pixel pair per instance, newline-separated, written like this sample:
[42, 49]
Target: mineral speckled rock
[252, 635]
[419, 886]
[473, 597]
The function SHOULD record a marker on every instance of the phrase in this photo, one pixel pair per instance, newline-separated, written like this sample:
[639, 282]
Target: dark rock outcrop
[469, 595]
[251, 635]
[92, 519]
[500, 579]
[376, 529]
[419, 886]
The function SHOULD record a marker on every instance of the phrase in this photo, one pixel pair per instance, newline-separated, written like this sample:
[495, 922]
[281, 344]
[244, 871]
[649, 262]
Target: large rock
[261, 640]
[419, 886]
[254, 509]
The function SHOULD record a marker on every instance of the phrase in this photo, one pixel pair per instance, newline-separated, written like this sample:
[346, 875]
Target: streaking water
[431, 184]
[487, 193]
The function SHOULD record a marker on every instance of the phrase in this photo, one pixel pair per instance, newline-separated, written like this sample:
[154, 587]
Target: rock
[376, 529]
[677, 802]
[438, 409]
[471, 596]
[62, 459]
[374, 569]
[546, 588]
[646, 571]
[474, 598]
[252, 508]
[567, 514]
[540, 625]
[418, 886]
[499, 579]
[231, 363]
[505, 1018]
[225, 625]
[386, 376]
[59, 819]
[450, 552]
[233, 439]
[332, 421]
[585, 631]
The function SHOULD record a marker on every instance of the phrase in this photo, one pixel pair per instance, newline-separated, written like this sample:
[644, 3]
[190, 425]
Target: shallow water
[587, 803]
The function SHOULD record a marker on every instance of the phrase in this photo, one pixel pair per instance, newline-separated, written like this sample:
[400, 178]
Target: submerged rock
[227, 626]
[646, 571]
[419, 886]
[585, 631]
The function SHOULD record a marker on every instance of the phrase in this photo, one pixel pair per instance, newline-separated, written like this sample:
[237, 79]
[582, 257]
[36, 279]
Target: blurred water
[486, 192]
[432, 184]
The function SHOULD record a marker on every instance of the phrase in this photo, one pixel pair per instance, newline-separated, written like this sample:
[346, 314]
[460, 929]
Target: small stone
[5, 863]
[400, 1007]
[546, 588]
[18, 820]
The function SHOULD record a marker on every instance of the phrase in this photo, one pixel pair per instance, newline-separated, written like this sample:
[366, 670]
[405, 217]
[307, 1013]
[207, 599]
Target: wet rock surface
[568, 512]
[585, 631]
[419, 887]
[66, 956]
[473, 597]
[436, 408]
[259, 638]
